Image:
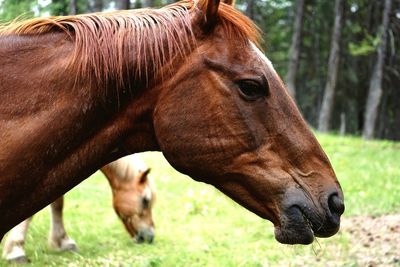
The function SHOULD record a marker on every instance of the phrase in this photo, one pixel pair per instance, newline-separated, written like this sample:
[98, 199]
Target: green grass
[198, 226]
[369, 173]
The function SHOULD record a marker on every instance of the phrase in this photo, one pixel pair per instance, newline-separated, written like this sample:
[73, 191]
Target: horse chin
[291, 236]
[294, 228]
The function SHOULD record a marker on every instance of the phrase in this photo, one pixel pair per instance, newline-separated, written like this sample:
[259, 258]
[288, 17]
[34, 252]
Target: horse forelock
[128, 168]
[103, 41]
[238, 25]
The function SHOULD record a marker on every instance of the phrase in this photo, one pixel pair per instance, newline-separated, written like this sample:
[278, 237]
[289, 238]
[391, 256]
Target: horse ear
[210, 9]
[143, 176]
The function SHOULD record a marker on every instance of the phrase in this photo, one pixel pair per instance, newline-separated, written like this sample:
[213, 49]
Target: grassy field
[198, 226]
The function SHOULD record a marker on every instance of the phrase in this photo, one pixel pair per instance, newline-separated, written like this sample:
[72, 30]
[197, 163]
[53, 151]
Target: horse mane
[153, 36]
[128, 167]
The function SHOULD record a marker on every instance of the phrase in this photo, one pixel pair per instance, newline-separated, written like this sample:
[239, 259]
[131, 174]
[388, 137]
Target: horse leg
[13, 249]
[58, 238]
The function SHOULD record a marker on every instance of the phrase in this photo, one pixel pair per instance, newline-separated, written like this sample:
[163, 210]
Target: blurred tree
[148, 3]
[375, 87]
[123, 4]
[95, 5]
[294, 52]
[333, 68]
[314, 53]
[250, 8]
[73, 7]
[60, 7]
[10, 10]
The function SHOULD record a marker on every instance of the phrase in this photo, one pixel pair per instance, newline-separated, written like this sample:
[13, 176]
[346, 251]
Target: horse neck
[68, 125]
[55, 131]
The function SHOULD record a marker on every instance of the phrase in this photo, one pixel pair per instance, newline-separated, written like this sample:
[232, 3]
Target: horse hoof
[16, 255]
[19, 260]
[68, 245]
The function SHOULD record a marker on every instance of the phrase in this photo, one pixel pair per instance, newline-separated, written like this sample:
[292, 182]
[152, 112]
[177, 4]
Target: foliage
[198, 226]
[365, 47]
[9, 10]
[275, 20]
[360, 37]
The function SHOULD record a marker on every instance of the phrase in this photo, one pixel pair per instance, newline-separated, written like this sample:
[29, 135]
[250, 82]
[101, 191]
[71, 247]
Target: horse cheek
[182, 128]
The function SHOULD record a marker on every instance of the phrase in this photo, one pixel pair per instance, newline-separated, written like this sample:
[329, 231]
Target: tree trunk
[250, 9]
[147, 3]
[375, 86]
[295, 49]
[95, 5]
[72, 7]
[333, 67]
[123, 4]
[342, 130]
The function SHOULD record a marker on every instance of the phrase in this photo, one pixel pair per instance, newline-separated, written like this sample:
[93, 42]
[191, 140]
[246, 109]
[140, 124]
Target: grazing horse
[133, 198]
[189, 80]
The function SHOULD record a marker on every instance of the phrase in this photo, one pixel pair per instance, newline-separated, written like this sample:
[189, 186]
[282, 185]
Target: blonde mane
[128, 167]
[103, 41]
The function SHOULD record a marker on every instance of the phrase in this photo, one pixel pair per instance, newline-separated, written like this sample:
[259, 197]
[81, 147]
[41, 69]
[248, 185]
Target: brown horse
[133, 198]
[188, 80]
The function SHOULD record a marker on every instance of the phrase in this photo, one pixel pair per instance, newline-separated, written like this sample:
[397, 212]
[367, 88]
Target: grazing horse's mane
[103, 41]
[128, 167]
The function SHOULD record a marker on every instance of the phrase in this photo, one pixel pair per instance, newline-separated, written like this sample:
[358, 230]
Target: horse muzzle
[302, 219]
[145, 235]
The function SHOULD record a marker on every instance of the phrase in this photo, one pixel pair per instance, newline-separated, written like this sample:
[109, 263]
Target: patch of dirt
[375, 241]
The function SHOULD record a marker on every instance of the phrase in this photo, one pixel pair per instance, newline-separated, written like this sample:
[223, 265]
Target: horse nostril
[335, 204]
[139, 238]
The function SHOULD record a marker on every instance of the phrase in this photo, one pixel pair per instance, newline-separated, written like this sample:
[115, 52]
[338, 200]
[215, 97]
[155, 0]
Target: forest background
[340, 59]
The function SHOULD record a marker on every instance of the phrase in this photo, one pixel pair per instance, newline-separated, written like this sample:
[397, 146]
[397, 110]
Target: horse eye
[251, 89]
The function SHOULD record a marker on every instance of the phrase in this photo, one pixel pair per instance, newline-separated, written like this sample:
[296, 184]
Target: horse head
[133, 196]
[225, 118]
[133, 204]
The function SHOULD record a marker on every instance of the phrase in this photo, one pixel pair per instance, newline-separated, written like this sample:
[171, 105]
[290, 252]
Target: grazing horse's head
[225, 118]
[133, 197]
